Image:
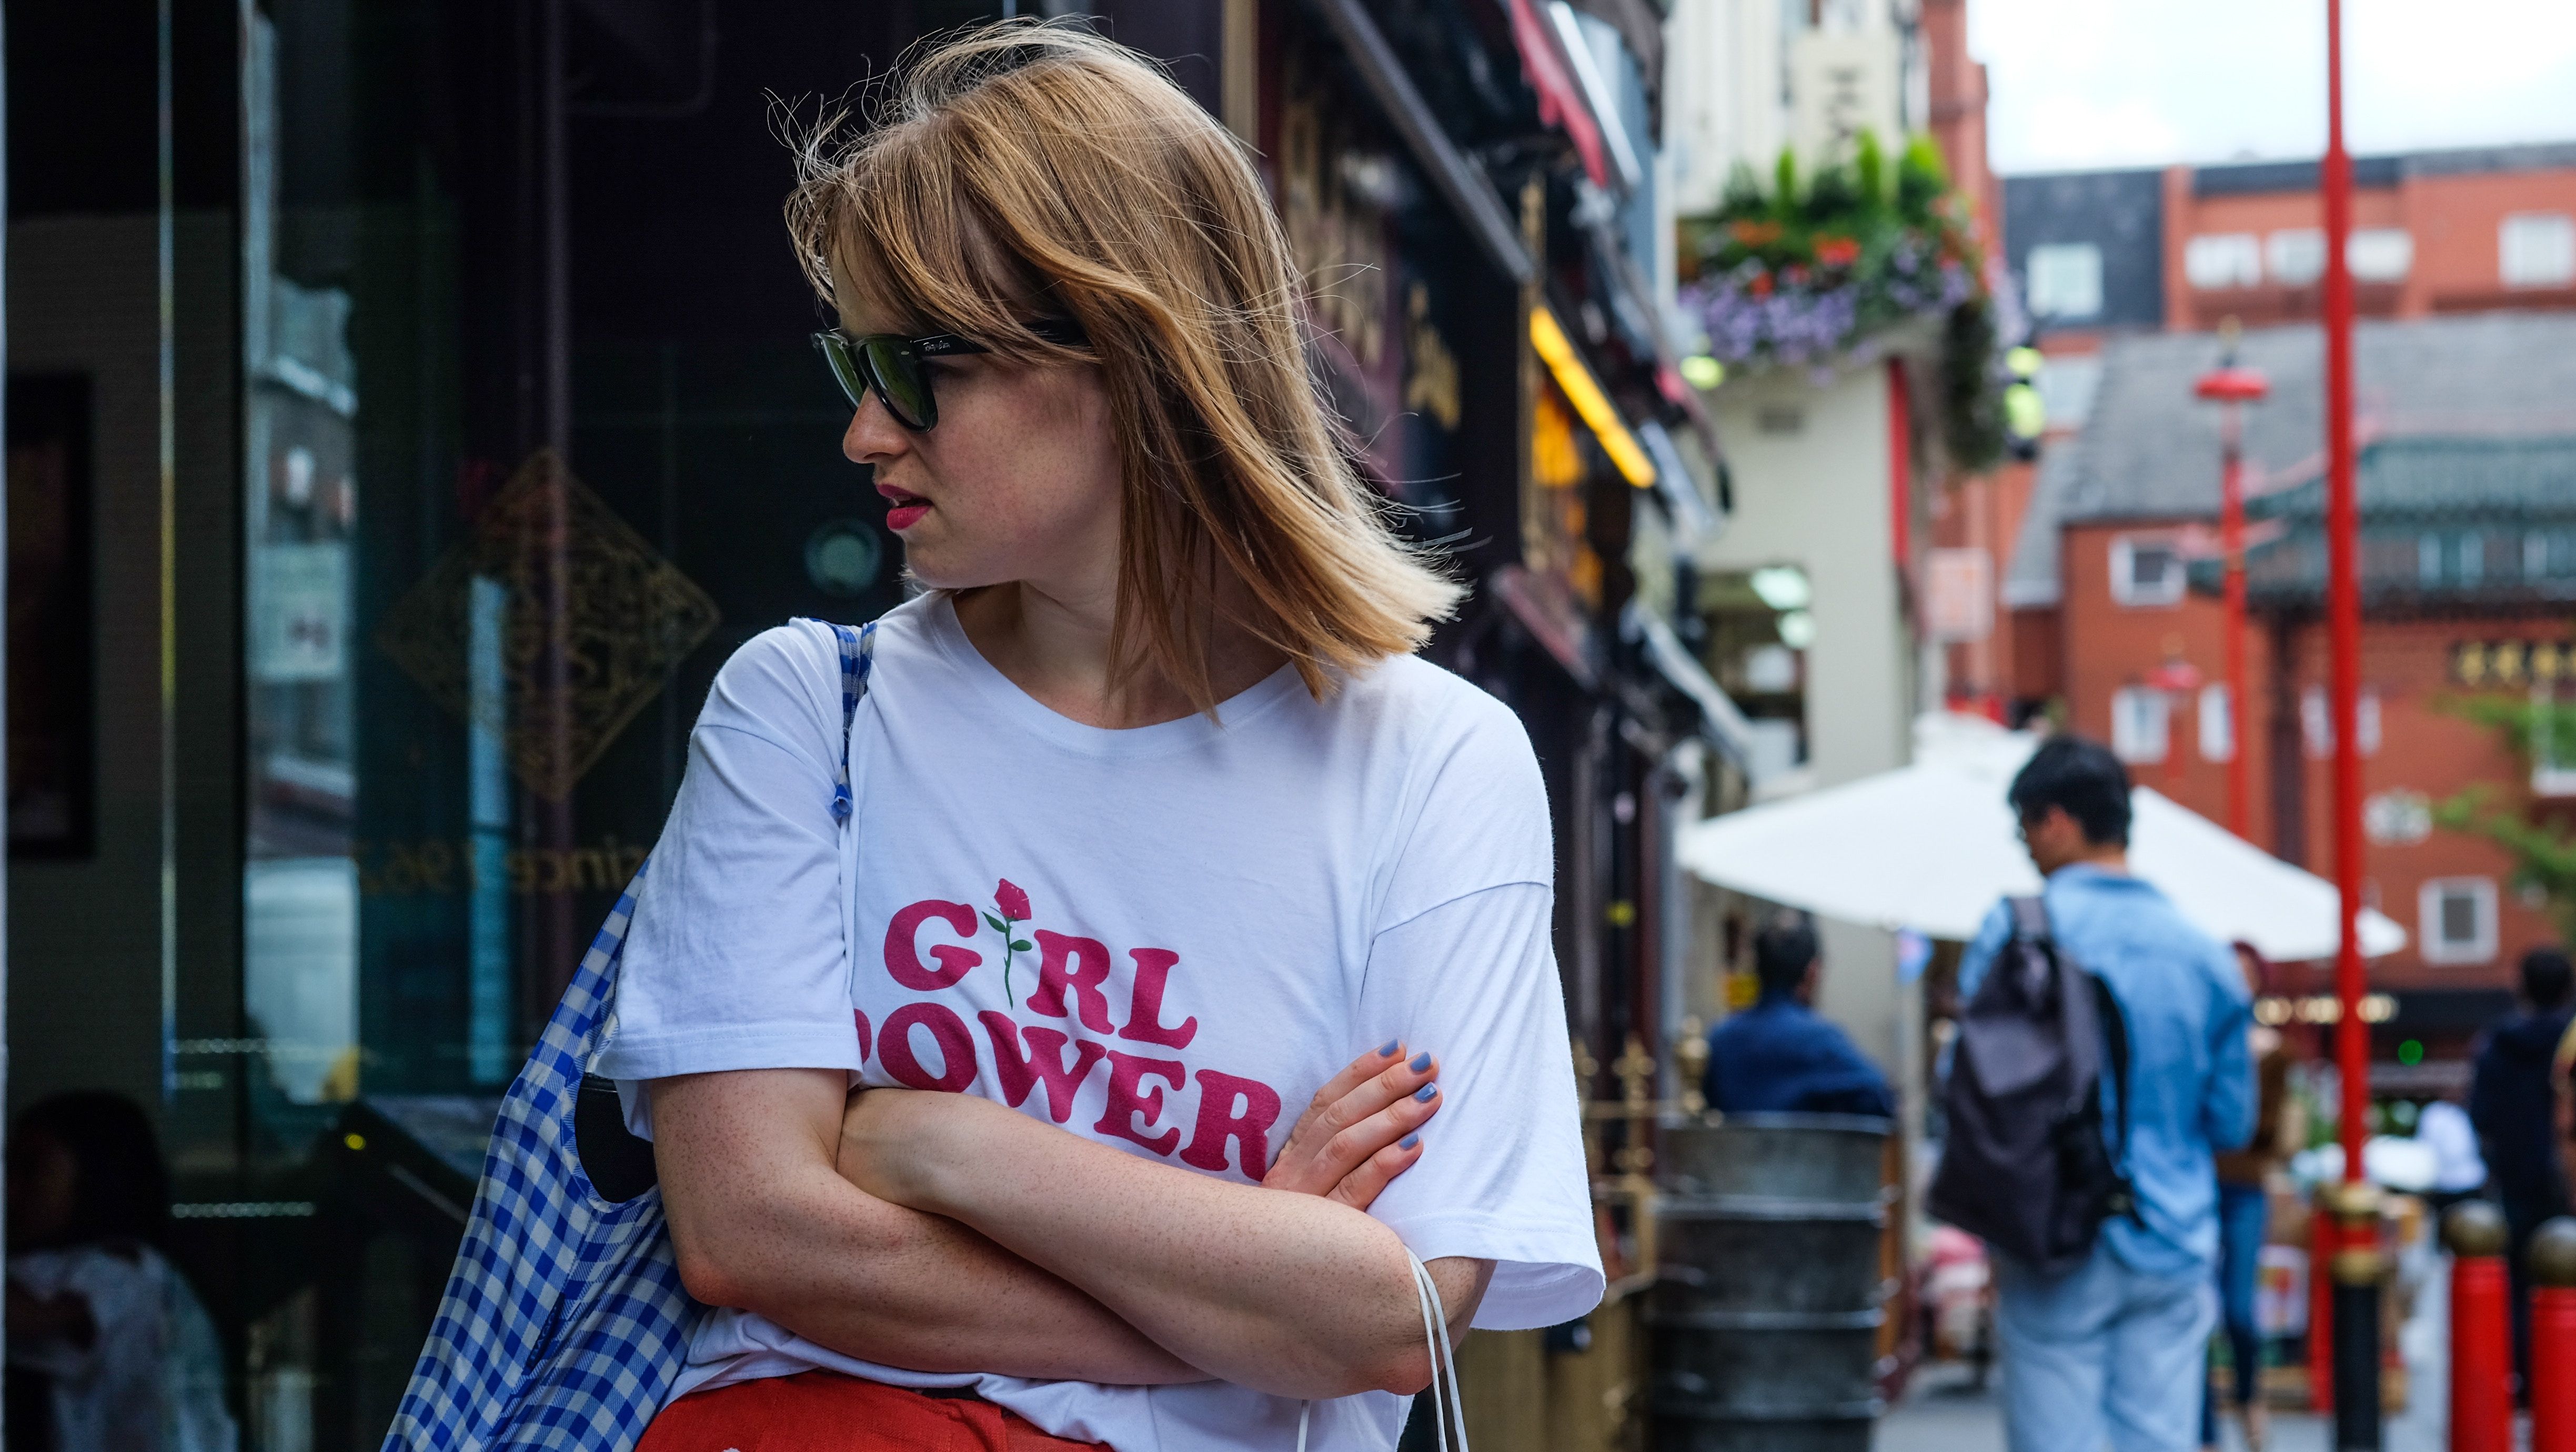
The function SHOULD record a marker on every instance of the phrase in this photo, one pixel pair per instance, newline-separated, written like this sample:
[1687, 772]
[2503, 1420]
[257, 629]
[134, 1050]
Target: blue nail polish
[1388, 1047]
[1421, 1062]
[1409, 1141]
[1426, 1091]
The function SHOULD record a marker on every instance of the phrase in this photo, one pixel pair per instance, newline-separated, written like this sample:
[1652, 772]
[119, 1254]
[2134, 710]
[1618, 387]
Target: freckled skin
[1021, 474]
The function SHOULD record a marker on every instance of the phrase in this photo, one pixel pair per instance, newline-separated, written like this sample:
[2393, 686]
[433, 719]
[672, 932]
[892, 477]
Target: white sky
[2104, 83]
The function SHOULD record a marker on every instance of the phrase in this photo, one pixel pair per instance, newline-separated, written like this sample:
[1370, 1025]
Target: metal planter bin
[1765, 1312]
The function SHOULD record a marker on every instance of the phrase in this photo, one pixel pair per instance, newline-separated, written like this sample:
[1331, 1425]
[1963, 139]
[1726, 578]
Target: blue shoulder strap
[858, 656]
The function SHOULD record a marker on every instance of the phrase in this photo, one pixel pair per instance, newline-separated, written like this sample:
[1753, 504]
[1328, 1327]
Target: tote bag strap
[619, 1162]
[858, 658]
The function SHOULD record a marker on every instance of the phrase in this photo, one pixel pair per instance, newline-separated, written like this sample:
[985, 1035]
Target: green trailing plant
[2542, 846]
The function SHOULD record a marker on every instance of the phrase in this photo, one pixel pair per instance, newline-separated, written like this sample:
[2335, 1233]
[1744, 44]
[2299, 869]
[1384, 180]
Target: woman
[1159, 823]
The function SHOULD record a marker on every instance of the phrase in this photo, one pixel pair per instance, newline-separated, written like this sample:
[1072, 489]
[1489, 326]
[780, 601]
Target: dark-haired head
[1782, 953]
[85, 1167]
[2547, 979]
[2083, 779]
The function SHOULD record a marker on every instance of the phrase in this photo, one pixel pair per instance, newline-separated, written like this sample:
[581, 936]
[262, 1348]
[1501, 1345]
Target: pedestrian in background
[1781, 1055]
[109, 1348]
[2514, 1105]
[2244, 1216]
[2459, 1170]
[2115, 1350]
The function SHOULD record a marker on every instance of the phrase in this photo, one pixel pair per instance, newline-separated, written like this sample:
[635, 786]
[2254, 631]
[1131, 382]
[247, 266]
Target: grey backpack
[2025, 1165]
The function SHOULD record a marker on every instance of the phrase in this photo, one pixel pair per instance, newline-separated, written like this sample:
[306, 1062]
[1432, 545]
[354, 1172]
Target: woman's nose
[873, 436]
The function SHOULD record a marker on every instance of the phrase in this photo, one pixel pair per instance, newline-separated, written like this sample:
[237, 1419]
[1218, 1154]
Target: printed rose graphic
[1013, 901]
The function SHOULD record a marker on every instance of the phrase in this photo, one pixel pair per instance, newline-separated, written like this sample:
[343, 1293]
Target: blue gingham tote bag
[564, 1324]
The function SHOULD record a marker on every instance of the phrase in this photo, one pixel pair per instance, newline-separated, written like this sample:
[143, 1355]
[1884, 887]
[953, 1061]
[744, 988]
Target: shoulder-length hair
[1027, 170]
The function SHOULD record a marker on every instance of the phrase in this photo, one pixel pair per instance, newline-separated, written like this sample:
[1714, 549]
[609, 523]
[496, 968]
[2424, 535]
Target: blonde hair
[1029, 169]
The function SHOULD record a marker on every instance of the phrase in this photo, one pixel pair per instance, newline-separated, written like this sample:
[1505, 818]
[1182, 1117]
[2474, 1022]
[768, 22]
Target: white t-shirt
[1204, 923]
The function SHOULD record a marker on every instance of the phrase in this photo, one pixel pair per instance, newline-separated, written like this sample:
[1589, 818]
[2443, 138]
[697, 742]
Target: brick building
[2107, 614]
[2468, 489]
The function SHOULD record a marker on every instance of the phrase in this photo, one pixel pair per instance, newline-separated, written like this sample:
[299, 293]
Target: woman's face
[1018, 481]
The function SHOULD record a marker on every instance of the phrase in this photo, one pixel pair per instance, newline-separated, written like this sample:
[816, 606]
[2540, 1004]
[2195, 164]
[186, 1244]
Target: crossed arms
[946, 1233]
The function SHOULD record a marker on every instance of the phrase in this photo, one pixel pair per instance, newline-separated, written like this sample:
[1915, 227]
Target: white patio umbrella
[1932, 846]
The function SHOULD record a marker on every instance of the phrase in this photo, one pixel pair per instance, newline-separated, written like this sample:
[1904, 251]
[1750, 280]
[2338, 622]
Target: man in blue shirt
[2114, 1349]
[1780, 1054]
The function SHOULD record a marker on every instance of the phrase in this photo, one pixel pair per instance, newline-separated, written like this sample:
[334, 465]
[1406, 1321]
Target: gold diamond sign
[593, 622]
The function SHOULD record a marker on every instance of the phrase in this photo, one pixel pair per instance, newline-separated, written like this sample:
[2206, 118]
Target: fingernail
[1388, 1047]
[1426, 1091]
[1421, 1062]
[1409, 1141]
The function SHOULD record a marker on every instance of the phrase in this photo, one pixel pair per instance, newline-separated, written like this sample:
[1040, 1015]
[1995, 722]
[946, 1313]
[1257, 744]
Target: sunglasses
[897, 369]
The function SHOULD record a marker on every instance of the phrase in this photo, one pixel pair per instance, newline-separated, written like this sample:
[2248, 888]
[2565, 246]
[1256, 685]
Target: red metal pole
[2553, 1337]
[2481, 1351]
[1900, 470]
[2231, 534]
[2553, 1355]
[2343, 610]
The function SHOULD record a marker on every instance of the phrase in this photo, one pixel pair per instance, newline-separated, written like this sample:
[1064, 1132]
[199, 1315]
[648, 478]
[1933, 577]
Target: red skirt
[824, 1411]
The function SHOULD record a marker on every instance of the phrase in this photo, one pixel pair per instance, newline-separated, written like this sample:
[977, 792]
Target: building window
[2217, 725]
[2316, 722]
[2380, 254]
[2456, 920]
[2428, 559]
[2537, 249]
[2065, 280]
[2146, 571]
[2140, 720]
[2066, 388]
[2297, 257]
[2223, 259]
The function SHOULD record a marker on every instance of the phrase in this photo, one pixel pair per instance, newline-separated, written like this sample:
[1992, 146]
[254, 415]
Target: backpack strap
[2115, 1037]
[2029, 918]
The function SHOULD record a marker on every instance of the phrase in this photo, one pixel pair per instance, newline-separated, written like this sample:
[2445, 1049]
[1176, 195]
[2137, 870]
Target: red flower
[1013, 901]
[1837, 251]
[1760, 286]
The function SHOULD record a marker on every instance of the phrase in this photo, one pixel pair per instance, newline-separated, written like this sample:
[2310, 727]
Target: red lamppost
[2357, 1266]
[2232, 387]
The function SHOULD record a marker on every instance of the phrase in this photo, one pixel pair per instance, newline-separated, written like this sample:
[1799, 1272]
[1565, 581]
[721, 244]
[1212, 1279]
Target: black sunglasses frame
[853, 363]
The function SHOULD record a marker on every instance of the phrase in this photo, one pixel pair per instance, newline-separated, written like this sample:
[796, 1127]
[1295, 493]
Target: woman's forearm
[1291, 1294]
[763, 1222]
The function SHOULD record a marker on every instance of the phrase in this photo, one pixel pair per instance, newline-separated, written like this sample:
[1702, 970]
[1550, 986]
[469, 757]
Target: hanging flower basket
[1835, 271]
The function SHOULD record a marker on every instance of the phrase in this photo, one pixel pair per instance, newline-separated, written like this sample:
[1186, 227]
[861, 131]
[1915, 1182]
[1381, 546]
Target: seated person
[1780, 1055]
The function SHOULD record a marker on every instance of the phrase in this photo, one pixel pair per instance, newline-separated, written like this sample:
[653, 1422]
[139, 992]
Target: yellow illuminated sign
[1585, 394]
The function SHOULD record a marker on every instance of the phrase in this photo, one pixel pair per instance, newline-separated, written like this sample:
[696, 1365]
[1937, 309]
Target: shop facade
[408, 439]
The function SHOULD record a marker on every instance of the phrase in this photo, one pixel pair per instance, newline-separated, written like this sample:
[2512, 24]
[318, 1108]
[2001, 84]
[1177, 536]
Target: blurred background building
[2464, 265]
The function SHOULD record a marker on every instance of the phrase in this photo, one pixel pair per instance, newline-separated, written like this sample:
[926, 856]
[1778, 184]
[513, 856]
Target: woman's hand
[1361, 1130]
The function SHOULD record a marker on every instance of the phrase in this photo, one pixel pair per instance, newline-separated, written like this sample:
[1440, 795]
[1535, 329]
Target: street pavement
[1941, 1413]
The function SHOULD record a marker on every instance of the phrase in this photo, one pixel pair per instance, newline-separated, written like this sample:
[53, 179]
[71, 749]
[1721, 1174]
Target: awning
[1933, 846]
[1719, 720]
[1598, 98]
[1561, 101]
[1693, 518]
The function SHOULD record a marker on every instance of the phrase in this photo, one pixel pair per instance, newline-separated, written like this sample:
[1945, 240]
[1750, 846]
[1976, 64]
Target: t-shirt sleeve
[734, 959]
[1502, 1174]
[1475, 814]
